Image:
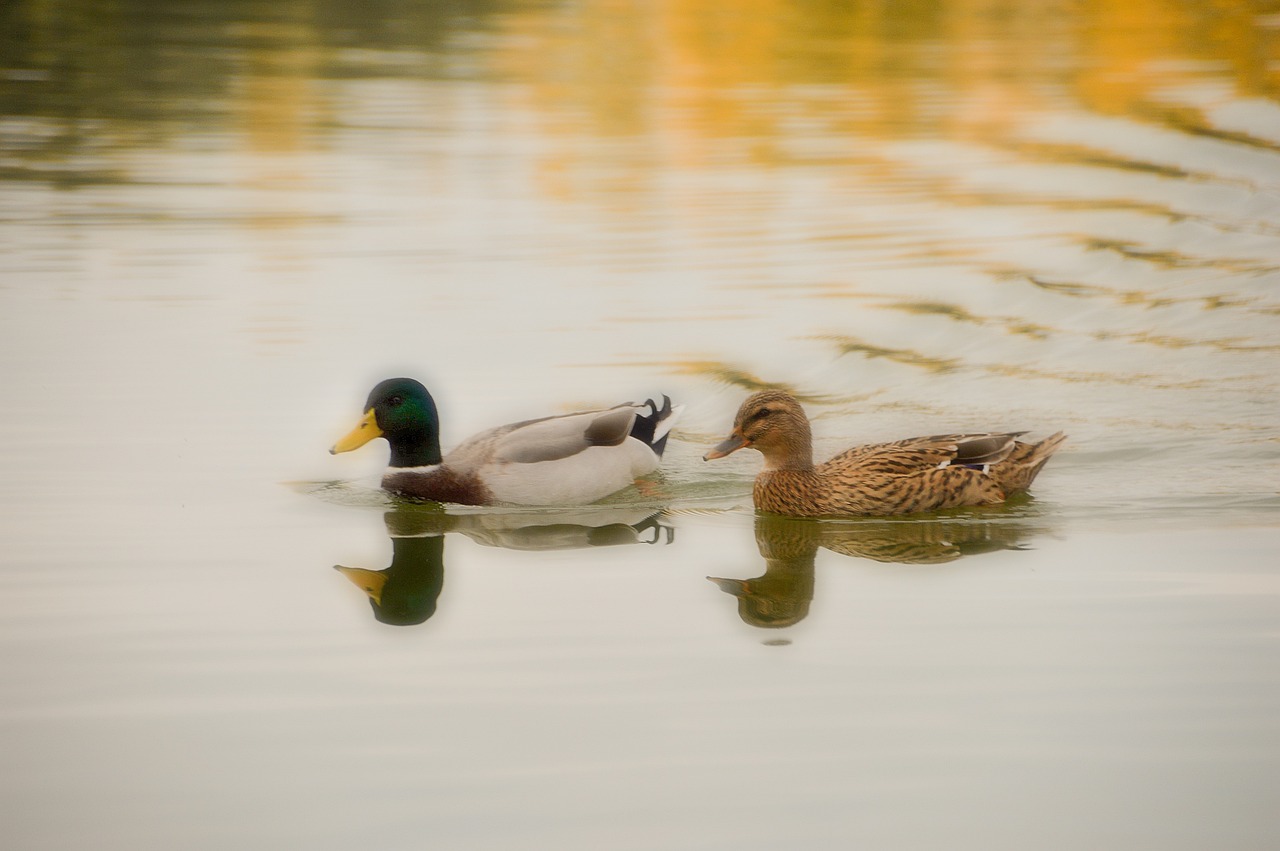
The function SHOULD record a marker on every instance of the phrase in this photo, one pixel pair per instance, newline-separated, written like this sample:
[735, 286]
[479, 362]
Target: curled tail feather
[652, 429]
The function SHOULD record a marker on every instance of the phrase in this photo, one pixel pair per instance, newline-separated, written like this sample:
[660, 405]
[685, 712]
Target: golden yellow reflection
[698, 71]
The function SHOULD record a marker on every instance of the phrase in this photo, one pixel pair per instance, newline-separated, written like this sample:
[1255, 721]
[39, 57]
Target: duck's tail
[652, 429]
[1016, 472]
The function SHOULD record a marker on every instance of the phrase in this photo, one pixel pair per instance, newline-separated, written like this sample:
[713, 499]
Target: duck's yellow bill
[368, 581]
[358, 436]
[732, 443]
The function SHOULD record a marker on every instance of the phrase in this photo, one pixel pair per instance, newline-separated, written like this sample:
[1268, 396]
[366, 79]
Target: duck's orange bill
[732, 443]
[358, 436]
[368, 581]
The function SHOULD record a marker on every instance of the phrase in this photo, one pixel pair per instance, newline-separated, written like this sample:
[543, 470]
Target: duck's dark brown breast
[440, 485]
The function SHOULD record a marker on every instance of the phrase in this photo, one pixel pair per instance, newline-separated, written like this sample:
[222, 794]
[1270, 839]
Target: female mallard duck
[903, 477]
[564, 460]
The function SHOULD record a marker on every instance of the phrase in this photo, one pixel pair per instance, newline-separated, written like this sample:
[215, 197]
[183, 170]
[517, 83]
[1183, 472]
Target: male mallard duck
[564, 460]
[906, 476]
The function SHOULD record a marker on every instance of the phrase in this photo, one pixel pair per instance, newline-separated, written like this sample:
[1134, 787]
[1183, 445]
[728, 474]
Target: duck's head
[771, 422]
[402, 411]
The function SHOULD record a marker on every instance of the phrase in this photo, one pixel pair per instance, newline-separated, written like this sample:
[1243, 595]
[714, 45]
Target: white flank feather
[585, 477]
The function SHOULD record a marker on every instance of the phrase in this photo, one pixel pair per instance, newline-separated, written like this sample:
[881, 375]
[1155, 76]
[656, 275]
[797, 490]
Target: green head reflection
[405, 593]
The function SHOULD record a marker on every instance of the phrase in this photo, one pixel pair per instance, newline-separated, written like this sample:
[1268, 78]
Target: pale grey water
[221, 223]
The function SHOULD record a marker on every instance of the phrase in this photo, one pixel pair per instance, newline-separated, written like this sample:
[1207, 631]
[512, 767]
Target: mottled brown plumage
[902, 477]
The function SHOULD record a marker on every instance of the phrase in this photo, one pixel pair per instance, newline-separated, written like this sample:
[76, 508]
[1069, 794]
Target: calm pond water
[221, 223]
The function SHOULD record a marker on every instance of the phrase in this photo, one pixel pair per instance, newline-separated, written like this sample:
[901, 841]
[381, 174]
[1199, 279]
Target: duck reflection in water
[780, 597]
[406, 592]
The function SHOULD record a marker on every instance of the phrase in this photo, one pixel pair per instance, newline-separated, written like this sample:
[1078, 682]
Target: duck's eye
[395, 401]
[761, 414]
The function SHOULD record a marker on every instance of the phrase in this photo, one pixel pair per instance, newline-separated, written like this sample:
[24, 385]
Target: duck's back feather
[901, 457]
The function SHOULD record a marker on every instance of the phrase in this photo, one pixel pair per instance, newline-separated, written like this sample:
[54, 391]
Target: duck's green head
[402, 411]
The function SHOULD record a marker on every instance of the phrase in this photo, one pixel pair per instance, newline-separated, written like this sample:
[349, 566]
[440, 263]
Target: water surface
[221, 223]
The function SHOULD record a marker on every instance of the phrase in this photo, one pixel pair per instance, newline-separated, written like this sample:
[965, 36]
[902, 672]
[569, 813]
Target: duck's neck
[416, 449]
[795, 453]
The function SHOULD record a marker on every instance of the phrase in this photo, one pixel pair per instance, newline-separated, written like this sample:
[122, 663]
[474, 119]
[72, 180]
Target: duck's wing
[547, 439]
[573, 459]
[555, 438]
[903, 457]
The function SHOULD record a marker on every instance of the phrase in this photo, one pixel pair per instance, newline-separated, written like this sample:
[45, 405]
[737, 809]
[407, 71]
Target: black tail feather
[646, 425]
